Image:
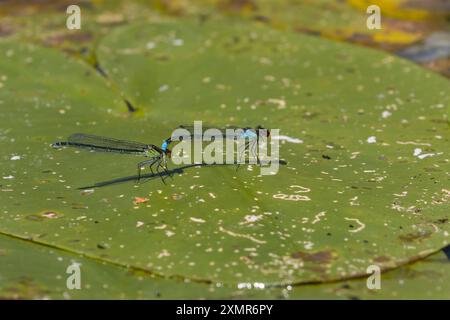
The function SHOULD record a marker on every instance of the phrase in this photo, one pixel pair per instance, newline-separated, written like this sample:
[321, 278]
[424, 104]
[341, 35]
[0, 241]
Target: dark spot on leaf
[100, 70]
[315, 257]
[326, 157]
[102, 246]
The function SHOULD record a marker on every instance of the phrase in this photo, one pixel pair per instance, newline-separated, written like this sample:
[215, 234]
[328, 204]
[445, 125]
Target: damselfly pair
[157, 155]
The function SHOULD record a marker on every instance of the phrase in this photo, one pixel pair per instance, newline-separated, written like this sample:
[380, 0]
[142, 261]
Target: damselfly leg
[164, 166]
[158, 166]
[159, 161]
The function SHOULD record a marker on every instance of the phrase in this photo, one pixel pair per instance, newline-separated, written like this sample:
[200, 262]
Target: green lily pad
[228, 75]
[339, 205]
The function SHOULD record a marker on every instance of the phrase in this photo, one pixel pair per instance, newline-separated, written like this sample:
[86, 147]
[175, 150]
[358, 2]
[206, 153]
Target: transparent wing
[105, 144]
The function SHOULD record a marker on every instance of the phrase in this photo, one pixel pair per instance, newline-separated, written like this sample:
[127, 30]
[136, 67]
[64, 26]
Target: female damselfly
[158, 156]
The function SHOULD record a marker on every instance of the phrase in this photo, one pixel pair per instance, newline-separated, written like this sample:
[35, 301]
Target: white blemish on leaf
[198, 220]
[318, 216]
[291, 197]
[163, 88]
[177, 42]
[50, 215]
[281, 104]
[163, 253]
[150, 45]
[288, 139]
[302, 189]
[308, 245]
[87, 192]
[170, 233]
[251, 219]
[417, 151]
[355, 154]
[386, 114]
[139, 224]
[248, 285]
[354, 202]
[413, 143]
[426, 155]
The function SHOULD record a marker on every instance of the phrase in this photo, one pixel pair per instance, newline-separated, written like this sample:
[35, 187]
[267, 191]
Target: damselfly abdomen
[158, 156]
